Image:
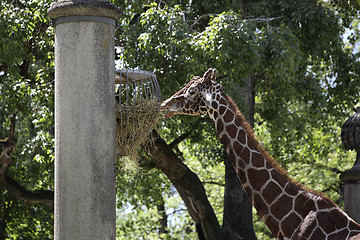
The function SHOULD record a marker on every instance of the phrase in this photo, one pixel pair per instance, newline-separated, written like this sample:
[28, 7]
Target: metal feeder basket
[137, 109]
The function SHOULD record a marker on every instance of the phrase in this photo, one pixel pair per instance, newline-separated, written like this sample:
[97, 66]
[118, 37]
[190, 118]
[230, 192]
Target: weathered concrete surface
[352, 200]
[351, 180]
[84, 124]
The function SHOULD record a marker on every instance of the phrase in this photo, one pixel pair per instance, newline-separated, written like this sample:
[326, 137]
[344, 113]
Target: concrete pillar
[350, 137]
[85, 196]
[351, 180]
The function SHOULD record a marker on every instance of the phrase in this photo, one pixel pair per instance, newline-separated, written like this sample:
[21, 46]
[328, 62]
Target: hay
[134, 125]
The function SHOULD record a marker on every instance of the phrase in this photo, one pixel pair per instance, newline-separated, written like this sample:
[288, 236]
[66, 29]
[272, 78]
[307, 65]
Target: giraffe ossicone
[289, 209]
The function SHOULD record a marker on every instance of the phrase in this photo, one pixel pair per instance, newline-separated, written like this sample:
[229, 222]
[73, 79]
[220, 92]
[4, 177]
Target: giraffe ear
[210, 75]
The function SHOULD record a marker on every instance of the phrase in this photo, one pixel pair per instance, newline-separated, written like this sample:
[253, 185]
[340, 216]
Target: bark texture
[189, 187]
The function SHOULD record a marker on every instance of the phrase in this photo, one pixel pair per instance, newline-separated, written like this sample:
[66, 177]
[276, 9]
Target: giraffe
[289, 209]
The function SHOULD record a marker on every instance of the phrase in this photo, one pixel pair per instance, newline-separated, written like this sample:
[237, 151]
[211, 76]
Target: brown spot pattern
[277, 177]
[303, 205]
[214, 105]
[257, 160]
[281, 207]
[273, 225]
[341, 219]
[231, 130]
[241, 136]
[222, 109]
[242, 178]
[219, 125]
[245, 155]
[257, 178]
[232, 155]
[223, 101]
[237, 148]
[318, 234]
[271, 192]
[289, 224]
[229, 116]
[339, 235]
[326, 222]
[260, 206]
[225, 140]
[291, 189]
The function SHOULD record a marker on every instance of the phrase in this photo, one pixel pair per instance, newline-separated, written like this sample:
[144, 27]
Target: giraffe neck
[282, 203]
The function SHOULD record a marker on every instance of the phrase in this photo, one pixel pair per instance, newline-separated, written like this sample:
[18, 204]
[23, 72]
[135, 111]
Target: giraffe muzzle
[165, 108]
[170, 107]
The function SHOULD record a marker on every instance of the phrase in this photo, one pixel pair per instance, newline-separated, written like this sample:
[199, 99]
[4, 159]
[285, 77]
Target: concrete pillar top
[99, 8]
[351, 175]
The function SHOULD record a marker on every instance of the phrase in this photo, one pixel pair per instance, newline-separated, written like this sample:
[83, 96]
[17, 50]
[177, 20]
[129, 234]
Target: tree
[274, 46]
[26, 103]
[288, 60]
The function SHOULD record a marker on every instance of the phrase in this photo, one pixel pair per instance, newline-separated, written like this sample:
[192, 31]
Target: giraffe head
[195, 98]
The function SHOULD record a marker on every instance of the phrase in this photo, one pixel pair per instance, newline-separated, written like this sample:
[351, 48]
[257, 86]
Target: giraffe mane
[250, 132]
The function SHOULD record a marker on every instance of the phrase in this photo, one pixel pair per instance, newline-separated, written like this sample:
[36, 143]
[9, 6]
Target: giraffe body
[289, 209]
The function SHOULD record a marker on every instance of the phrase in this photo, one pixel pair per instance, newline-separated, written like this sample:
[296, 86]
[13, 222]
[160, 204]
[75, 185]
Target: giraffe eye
[192, 91]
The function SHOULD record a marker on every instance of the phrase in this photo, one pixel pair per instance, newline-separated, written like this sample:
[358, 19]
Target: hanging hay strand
[137, 110]
[133, 128]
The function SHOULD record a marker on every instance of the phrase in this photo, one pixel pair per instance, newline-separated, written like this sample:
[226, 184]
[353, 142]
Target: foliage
[303, 57]
[296, 55]
[26, 90]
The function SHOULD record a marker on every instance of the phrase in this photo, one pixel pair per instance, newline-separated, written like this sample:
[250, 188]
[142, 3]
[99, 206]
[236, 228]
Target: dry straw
[137, 111]
[133, 127]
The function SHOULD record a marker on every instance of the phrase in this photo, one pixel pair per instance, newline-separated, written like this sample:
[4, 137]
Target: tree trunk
[237, 223]
[188, 185]
[163, 217]
[3, 222]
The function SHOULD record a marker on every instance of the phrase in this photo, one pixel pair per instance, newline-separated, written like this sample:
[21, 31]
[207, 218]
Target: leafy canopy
[302, 57]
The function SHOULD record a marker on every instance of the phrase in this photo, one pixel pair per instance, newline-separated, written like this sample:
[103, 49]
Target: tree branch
[323, 166]
[5, 159]
[199, 18]
[163, 216]
[185, 135]
[262, 19]
[215, 183]
[12, 129]
[29, 197]
[10, 184]
[5, 156]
